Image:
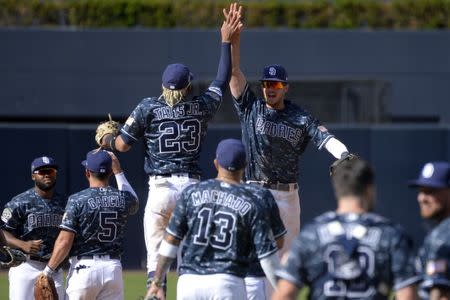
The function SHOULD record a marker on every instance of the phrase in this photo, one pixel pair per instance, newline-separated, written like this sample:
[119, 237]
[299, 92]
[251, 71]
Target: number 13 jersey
[222, 224]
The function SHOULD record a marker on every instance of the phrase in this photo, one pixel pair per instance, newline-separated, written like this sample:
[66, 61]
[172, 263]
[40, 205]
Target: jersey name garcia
[172, 135]
[222, 224]
[279, 136]
[350, 256]
[98, 217]
[30, 217]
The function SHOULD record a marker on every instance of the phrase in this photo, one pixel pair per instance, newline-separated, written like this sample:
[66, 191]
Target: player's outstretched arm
[238, 80]
[62, 247]
[167, 254]
[269, 264]
[229, 27]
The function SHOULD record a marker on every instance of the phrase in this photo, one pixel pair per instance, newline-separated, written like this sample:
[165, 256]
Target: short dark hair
[100, 176]
[352, 177]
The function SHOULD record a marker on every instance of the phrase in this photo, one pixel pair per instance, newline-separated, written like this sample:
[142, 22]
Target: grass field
[134, 285]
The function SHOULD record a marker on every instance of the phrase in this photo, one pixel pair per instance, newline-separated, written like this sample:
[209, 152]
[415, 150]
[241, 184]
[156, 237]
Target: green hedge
[413, 14]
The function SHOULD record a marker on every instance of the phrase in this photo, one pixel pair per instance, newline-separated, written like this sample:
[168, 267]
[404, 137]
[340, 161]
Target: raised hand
[232, 24]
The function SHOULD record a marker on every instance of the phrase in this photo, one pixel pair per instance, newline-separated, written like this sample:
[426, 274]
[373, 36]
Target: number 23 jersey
[172, 135]
[222, 224]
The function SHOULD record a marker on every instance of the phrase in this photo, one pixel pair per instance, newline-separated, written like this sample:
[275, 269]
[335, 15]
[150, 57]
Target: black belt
[193, 176]
[38, 258]
[93, 256]
[275, 186]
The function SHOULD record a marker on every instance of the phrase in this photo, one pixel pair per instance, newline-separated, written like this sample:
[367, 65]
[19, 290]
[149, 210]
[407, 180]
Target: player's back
[220, 222]
[351, 256]
[172, 135]
[98, 217]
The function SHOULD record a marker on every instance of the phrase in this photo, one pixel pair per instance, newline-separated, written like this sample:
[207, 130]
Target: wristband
[48, 271]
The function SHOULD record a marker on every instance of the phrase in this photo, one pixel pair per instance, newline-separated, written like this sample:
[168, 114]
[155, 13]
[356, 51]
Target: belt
[188, 175]
[99, 256]
[38, 258]
[287, 187]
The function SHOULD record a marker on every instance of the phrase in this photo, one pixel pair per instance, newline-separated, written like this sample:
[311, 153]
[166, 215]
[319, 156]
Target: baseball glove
[346, 156]
[107, 127]
[11, 257]
[44, 288]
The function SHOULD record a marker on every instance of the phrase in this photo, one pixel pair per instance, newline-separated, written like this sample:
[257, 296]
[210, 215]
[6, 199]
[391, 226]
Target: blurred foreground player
[350, 253]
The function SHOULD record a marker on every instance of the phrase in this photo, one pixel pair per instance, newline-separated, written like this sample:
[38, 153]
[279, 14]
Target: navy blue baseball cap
[176, 77]
[274, 73]
[98, 161]
[230, 154]
[43, 162]
[434, 174]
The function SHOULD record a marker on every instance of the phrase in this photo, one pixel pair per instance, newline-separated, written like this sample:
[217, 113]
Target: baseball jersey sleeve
[178, 224]
[273, 211]
[402, 266]
[132, 202]
[11, 217]
[262, 235]
[318, 133]
[70, 220]
[134, 126]
[436, 260]
[293, 262]
[245, 101]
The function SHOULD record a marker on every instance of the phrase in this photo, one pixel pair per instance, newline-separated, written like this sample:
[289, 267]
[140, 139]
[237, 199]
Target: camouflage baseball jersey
[98, 217]
[173, 135]
[350, 256]
[273, 218]
[434, 259]
[275, 139]
[30, 217]
[220, 222]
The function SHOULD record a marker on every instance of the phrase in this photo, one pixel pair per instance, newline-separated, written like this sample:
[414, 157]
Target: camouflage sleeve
[12, 217]
[318, 133]
[276, 223]
[70, 220]
[178, 224]
[245, 101]
[212, 100]
[134, 126]
[403, 268]
[132, 202]
[437, 264]
[292, 266]
[262, 235]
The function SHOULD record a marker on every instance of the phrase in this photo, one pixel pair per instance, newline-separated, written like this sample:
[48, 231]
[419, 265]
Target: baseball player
[222, 222]
[276, 132]
[92, 231]
[173, 127]
[31, 223]
[433, 261]
[350, 253]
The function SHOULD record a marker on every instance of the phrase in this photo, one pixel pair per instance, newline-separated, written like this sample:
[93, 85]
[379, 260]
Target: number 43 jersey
[350, 256]
[221, 223]
[98, 217]
[172, 135]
